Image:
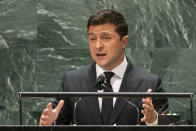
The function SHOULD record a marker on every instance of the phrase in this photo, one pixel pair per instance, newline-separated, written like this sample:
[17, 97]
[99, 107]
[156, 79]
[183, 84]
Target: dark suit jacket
[124, 113]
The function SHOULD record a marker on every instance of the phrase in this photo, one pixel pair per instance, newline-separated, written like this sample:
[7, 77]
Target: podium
[98, 128]
[104, 94]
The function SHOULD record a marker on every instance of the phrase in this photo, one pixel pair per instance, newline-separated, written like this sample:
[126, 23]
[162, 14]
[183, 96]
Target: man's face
[106, 47]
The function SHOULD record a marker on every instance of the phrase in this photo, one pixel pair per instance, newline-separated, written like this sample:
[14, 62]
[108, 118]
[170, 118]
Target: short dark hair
[112, 17]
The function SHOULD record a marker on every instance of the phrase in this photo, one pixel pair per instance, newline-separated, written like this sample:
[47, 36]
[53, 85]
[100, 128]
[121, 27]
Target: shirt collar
[119, 70]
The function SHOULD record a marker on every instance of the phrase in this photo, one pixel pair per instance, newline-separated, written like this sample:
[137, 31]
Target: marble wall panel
[18, 24]
[40, 40]
[53, 63]
[17, 69]
[152, 23]
[18, 52]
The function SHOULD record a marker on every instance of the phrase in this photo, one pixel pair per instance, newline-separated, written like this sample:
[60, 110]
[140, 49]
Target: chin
[101, 64]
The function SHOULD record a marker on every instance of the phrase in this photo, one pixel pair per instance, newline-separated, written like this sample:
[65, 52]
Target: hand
[49, 115]
[149, 113]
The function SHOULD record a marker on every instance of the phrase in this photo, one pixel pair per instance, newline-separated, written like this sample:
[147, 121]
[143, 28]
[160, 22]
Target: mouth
[101, 54]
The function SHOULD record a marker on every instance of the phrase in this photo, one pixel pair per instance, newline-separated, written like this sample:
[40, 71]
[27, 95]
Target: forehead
[102, 29]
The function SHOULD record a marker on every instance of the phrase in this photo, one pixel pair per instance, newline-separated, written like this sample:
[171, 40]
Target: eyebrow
[91, 34]
[106, 33]
[102, 33]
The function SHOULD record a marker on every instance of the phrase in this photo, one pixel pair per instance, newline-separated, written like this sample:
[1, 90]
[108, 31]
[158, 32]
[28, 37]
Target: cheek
[90, 47]
[116, 48]
[92, 52]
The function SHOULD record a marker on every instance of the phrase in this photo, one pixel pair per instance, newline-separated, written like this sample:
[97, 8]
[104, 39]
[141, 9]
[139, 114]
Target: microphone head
[100, 82]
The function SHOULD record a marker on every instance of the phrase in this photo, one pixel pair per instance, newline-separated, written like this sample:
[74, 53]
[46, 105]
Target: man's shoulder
[140, 73]
[145, 74]
[83, 70]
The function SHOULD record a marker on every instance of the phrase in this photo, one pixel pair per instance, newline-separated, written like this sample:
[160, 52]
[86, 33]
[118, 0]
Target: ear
[125, 41]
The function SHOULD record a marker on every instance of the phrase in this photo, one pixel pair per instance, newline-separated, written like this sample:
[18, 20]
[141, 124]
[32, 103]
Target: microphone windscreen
[100, 81]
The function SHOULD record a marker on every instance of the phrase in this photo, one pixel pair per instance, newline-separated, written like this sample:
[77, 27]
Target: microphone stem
[75, 110]
[138, 115]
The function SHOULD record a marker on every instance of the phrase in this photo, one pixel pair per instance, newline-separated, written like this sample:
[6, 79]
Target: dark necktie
[107, 103]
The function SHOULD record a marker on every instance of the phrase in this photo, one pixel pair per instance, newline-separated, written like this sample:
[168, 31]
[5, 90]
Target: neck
[114, 66]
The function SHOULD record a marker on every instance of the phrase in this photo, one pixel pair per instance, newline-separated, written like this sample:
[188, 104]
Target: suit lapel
[92, 102]
[129, 84]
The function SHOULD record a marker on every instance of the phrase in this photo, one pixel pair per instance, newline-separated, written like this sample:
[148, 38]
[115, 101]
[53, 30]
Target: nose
[99, 45]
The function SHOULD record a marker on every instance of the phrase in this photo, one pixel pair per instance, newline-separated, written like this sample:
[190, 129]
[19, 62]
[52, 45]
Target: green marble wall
[42, 39]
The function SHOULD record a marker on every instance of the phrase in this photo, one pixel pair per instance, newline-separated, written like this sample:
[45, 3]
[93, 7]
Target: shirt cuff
[154, 123]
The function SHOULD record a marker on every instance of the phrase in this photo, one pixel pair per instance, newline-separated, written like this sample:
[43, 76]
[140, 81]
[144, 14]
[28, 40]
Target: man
[108, 38]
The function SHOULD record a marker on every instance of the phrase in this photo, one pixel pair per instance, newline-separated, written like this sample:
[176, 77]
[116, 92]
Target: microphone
[100, 85]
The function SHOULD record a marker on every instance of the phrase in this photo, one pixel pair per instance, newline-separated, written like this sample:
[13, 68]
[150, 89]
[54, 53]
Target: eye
[106, 37]
[92, 39]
